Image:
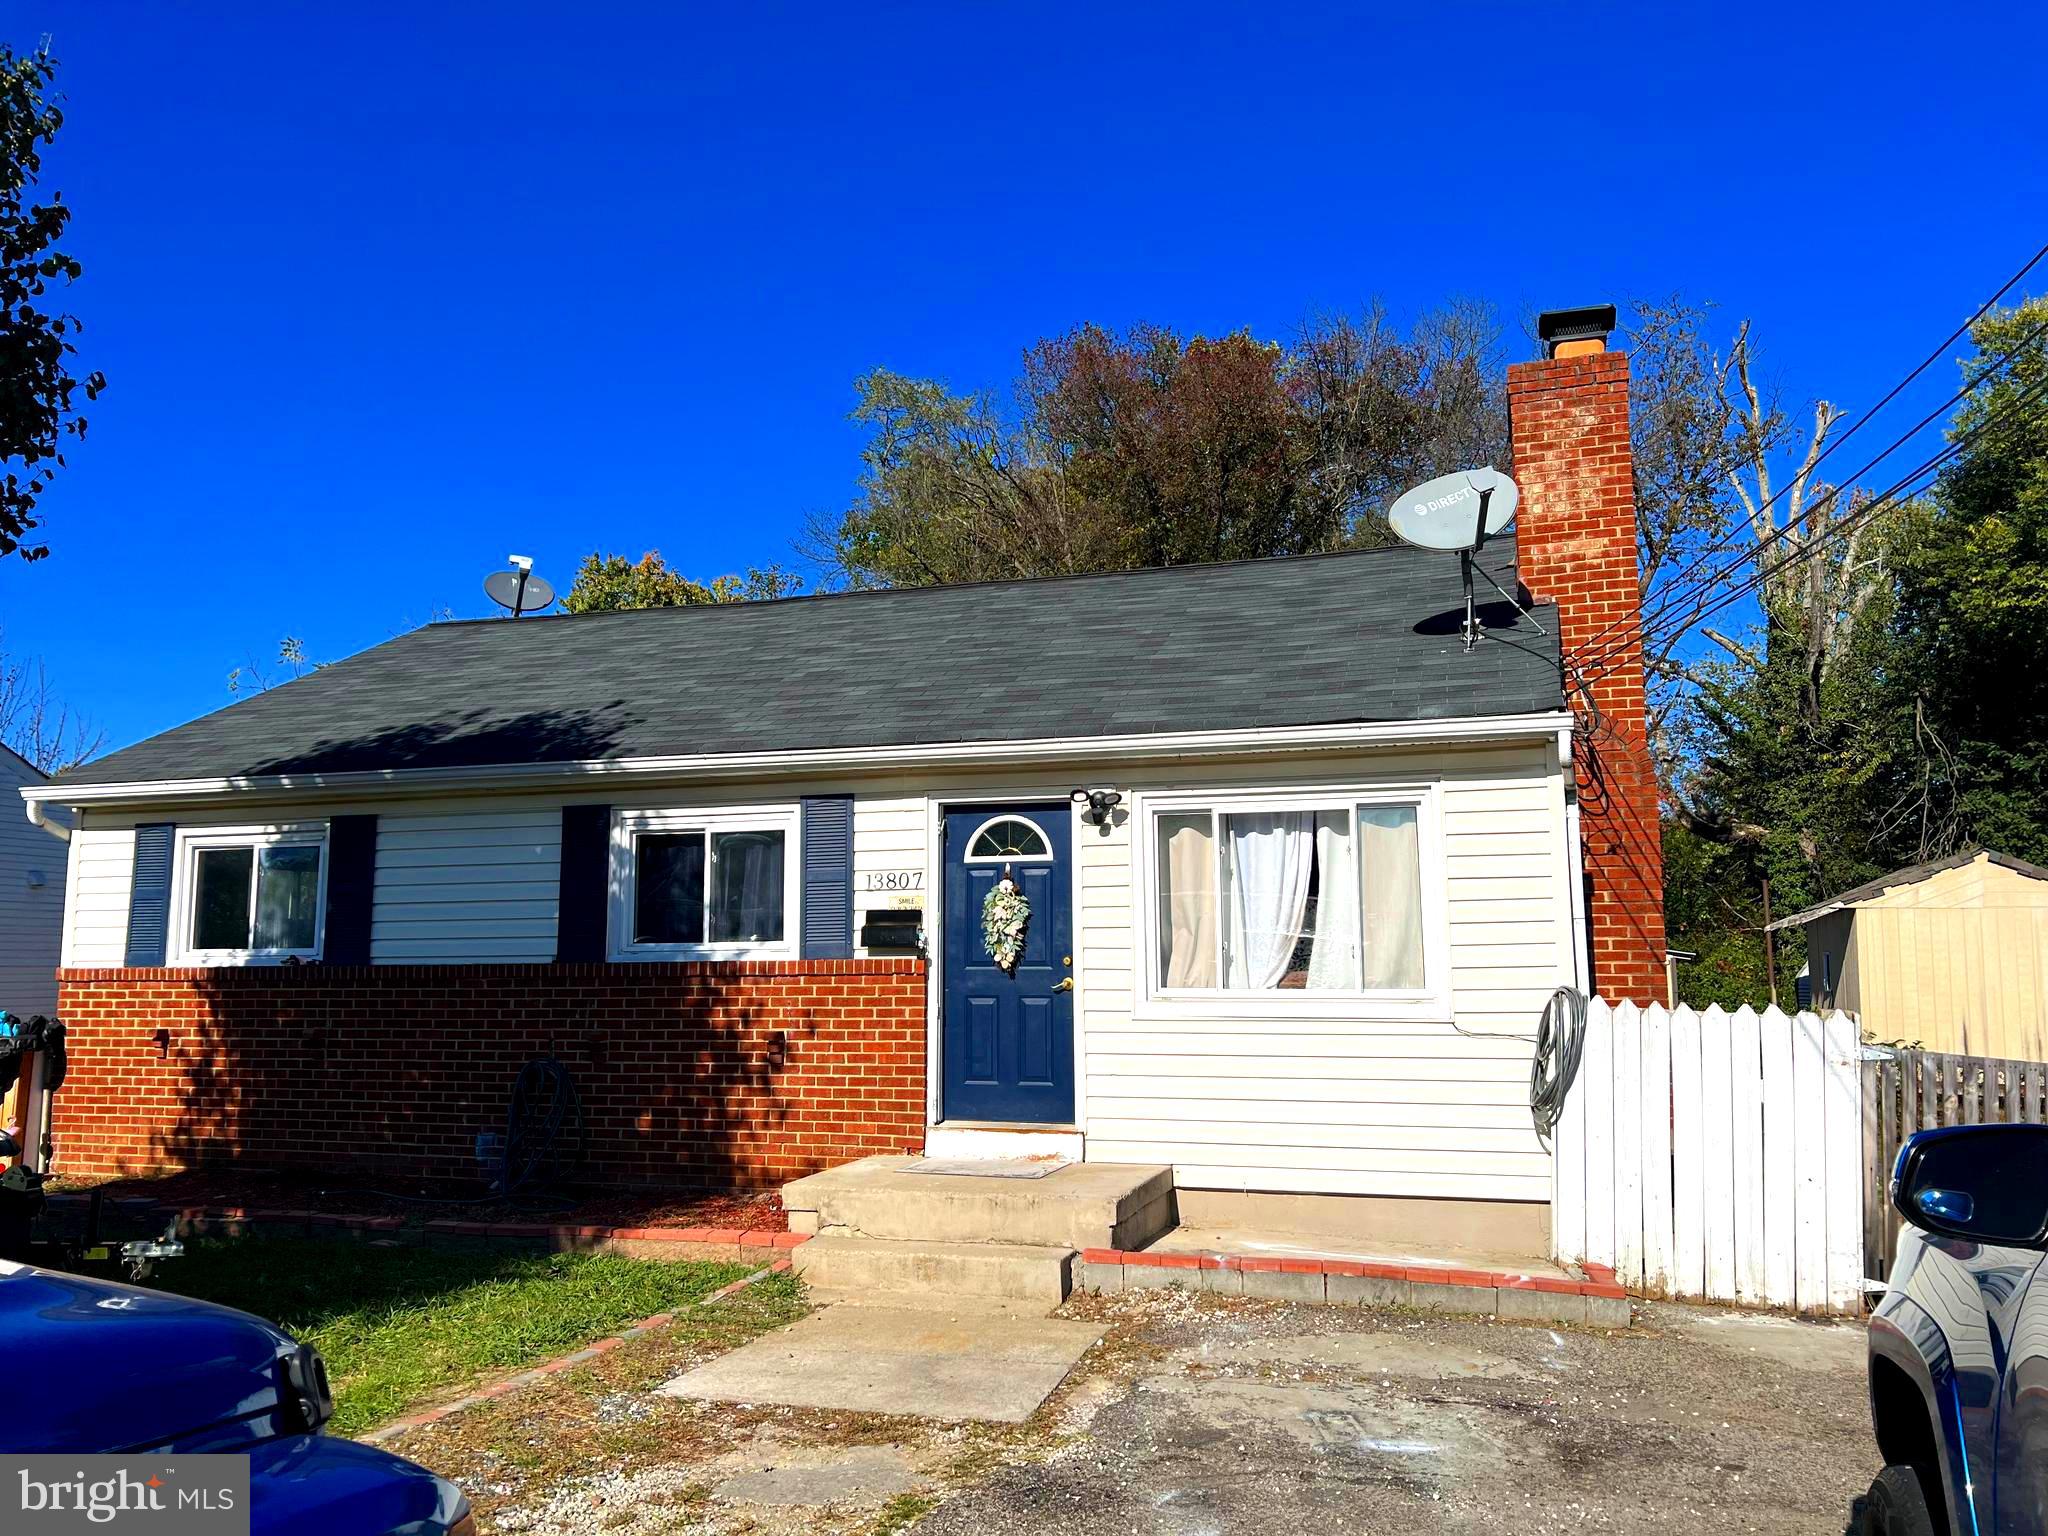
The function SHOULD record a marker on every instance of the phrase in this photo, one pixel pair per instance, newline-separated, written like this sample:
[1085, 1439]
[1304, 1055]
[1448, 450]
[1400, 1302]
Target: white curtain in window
[1389, 855]
[1333, 961]
[1188, 905]
[748, 905]
[1271, 857]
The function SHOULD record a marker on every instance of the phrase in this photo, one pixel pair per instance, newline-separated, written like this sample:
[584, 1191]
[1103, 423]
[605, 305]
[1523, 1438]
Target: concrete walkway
[938, 1358]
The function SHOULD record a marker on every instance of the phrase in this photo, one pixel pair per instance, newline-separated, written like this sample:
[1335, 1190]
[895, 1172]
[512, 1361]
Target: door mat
[990, 1167]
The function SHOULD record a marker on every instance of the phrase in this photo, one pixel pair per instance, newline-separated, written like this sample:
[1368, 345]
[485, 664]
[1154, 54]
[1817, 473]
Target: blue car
[117, 1368]
[1959, 1348]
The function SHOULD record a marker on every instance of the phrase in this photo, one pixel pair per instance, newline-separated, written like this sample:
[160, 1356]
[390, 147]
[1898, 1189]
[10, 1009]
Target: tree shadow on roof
[476, 738]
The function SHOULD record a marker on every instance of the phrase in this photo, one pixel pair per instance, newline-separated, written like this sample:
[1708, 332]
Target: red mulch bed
[257, 1190]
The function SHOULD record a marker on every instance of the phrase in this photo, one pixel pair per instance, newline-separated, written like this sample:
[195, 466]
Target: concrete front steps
[878, 1225]
[992, 1271]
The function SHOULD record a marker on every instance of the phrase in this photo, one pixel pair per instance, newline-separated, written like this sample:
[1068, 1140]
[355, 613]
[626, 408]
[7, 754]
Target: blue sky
[385, 292]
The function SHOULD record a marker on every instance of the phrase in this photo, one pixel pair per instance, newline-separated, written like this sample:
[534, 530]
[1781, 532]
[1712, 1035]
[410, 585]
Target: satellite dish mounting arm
[1465, 567]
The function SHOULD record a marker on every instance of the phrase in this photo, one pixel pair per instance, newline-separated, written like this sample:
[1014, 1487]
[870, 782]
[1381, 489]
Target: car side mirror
[1980, 1183]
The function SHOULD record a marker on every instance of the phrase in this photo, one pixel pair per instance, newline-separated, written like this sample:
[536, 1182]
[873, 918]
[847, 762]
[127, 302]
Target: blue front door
[1007, 1036]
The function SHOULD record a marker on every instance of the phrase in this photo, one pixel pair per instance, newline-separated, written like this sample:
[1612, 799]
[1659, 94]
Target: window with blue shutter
[583, 903]
[149, 894]
[351, 889]
[828, 877]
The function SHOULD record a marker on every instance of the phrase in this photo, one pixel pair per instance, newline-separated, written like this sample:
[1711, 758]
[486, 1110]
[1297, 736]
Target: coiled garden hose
[1560, 1042]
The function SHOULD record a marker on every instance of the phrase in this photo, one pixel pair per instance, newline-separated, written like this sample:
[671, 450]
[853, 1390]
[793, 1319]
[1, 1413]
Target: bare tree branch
[38, 724]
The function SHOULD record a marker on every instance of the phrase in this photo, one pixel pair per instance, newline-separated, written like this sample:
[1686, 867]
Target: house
[1949, 955]
[31, 899]
[1301, 872]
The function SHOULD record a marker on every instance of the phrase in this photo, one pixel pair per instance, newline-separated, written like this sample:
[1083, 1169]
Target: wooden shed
[1950, 955]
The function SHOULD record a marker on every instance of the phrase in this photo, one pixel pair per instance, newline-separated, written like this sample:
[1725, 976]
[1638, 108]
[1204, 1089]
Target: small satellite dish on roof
[1457, 513]
[519, 589]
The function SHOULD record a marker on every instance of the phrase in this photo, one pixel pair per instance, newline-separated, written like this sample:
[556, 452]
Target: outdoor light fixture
[1099, 802]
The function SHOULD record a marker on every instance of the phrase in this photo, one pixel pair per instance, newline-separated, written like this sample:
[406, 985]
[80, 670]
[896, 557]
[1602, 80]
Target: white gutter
[38, 818]
[1093, 749]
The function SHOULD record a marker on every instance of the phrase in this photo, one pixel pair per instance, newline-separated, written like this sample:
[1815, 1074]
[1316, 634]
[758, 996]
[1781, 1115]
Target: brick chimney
[1576, 547]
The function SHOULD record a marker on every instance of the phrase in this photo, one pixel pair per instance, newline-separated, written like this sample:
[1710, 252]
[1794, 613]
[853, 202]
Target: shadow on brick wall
[707, 1076]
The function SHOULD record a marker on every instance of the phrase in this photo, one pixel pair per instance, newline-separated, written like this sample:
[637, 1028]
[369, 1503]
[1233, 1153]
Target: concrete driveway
[1197, 1414]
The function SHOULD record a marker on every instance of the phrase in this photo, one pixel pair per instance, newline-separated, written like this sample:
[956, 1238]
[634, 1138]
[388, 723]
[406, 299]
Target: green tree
[1145, 449]
[37, 385]
[1891, 710]
[612, 581]
[1970, 685]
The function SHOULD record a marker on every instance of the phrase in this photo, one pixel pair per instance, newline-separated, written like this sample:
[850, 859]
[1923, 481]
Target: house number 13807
[893, 880]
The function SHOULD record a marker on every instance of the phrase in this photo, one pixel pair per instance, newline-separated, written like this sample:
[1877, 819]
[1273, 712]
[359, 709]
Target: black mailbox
[892, 928]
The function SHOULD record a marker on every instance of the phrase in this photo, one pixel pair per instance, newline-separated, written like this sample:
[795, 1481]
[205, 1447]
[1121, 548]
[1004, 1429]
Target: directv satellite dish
[519, 589]
[1457, 513]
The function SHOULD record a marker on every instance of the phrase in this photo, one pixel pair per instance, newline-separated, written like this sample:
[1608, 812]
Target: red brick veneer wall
[1575, 540]
[726, 1074]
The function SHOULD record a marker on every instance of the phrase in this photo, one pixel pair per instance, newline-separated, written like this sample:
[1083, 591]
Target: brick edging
[538, 1373]
[1596, 1300]
[231, 1220]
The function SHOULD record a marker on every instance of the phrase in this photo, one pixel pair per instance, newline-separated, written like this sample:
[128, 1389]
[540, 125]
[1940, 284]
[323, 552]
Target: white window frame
[1429, 1003]
[185, 847]
[629, 824]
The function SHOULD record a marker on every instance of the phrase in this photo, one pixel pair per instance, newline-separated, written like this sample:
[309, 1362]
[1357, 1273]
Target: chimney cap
[1589, 322]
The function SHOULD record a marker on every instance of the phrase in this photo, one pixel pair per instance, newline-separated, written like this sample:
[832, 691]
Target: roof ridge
[1138, 572]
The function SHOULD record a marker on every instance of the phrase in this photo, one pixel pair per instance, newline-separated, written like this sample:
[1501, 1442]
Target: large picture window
[251, 896]
[711, 883]
[1309, 895]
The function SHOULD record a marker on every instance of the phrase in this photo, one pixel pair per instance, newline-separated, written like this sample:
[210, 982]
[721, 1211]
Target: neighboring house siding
[479, 885]
[31, 916]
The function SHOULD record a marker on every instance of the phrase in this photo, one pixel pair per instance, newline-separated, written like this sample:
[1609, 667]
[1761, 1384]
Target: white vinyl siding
[1349, 1104]
[31, 916]
[1352, 1105]
[467, 886]
[102, 867]
[889, 833]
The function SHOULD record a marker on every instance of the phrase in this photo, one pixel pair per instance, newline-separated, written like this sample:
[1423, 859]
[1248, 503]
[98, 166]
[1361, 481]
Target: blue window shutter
[583, 905]
[828, 877]
[351, 889]
[149, 894]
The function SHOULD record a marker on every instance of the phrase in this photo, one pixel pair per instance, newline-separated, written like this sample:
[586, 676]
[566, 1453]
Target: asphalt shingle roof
[1315, 640]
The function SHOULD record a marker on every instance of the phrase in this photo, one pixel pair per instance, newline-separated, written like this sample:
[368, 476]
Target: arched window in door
[1007, 837]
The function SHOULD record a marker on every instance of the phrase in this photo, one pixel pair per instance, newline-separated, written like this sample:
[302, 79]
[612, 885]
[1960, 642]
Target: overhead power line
[1589, 662]
[1671, 598]
[1906, 486]
[1727, 541]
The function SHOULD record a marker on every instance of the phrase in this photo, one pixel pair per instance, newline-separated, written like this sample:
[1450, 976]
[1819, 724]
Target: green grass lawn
[402, 1326]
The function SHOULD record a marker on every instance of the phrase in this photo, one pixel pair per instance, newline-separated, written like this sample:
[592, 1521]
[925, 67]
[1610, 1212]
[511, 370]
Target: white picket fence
[1714, 1154]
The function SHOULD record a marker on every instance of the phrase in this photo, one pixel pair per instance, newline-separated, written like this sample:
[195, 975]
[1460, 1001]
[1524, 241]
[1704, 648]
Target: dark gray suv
[1959, 1347]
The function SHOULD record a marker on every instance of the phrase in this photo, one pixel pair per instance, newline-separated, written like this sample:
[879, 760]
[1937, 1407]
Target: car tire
[1897, 1506]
